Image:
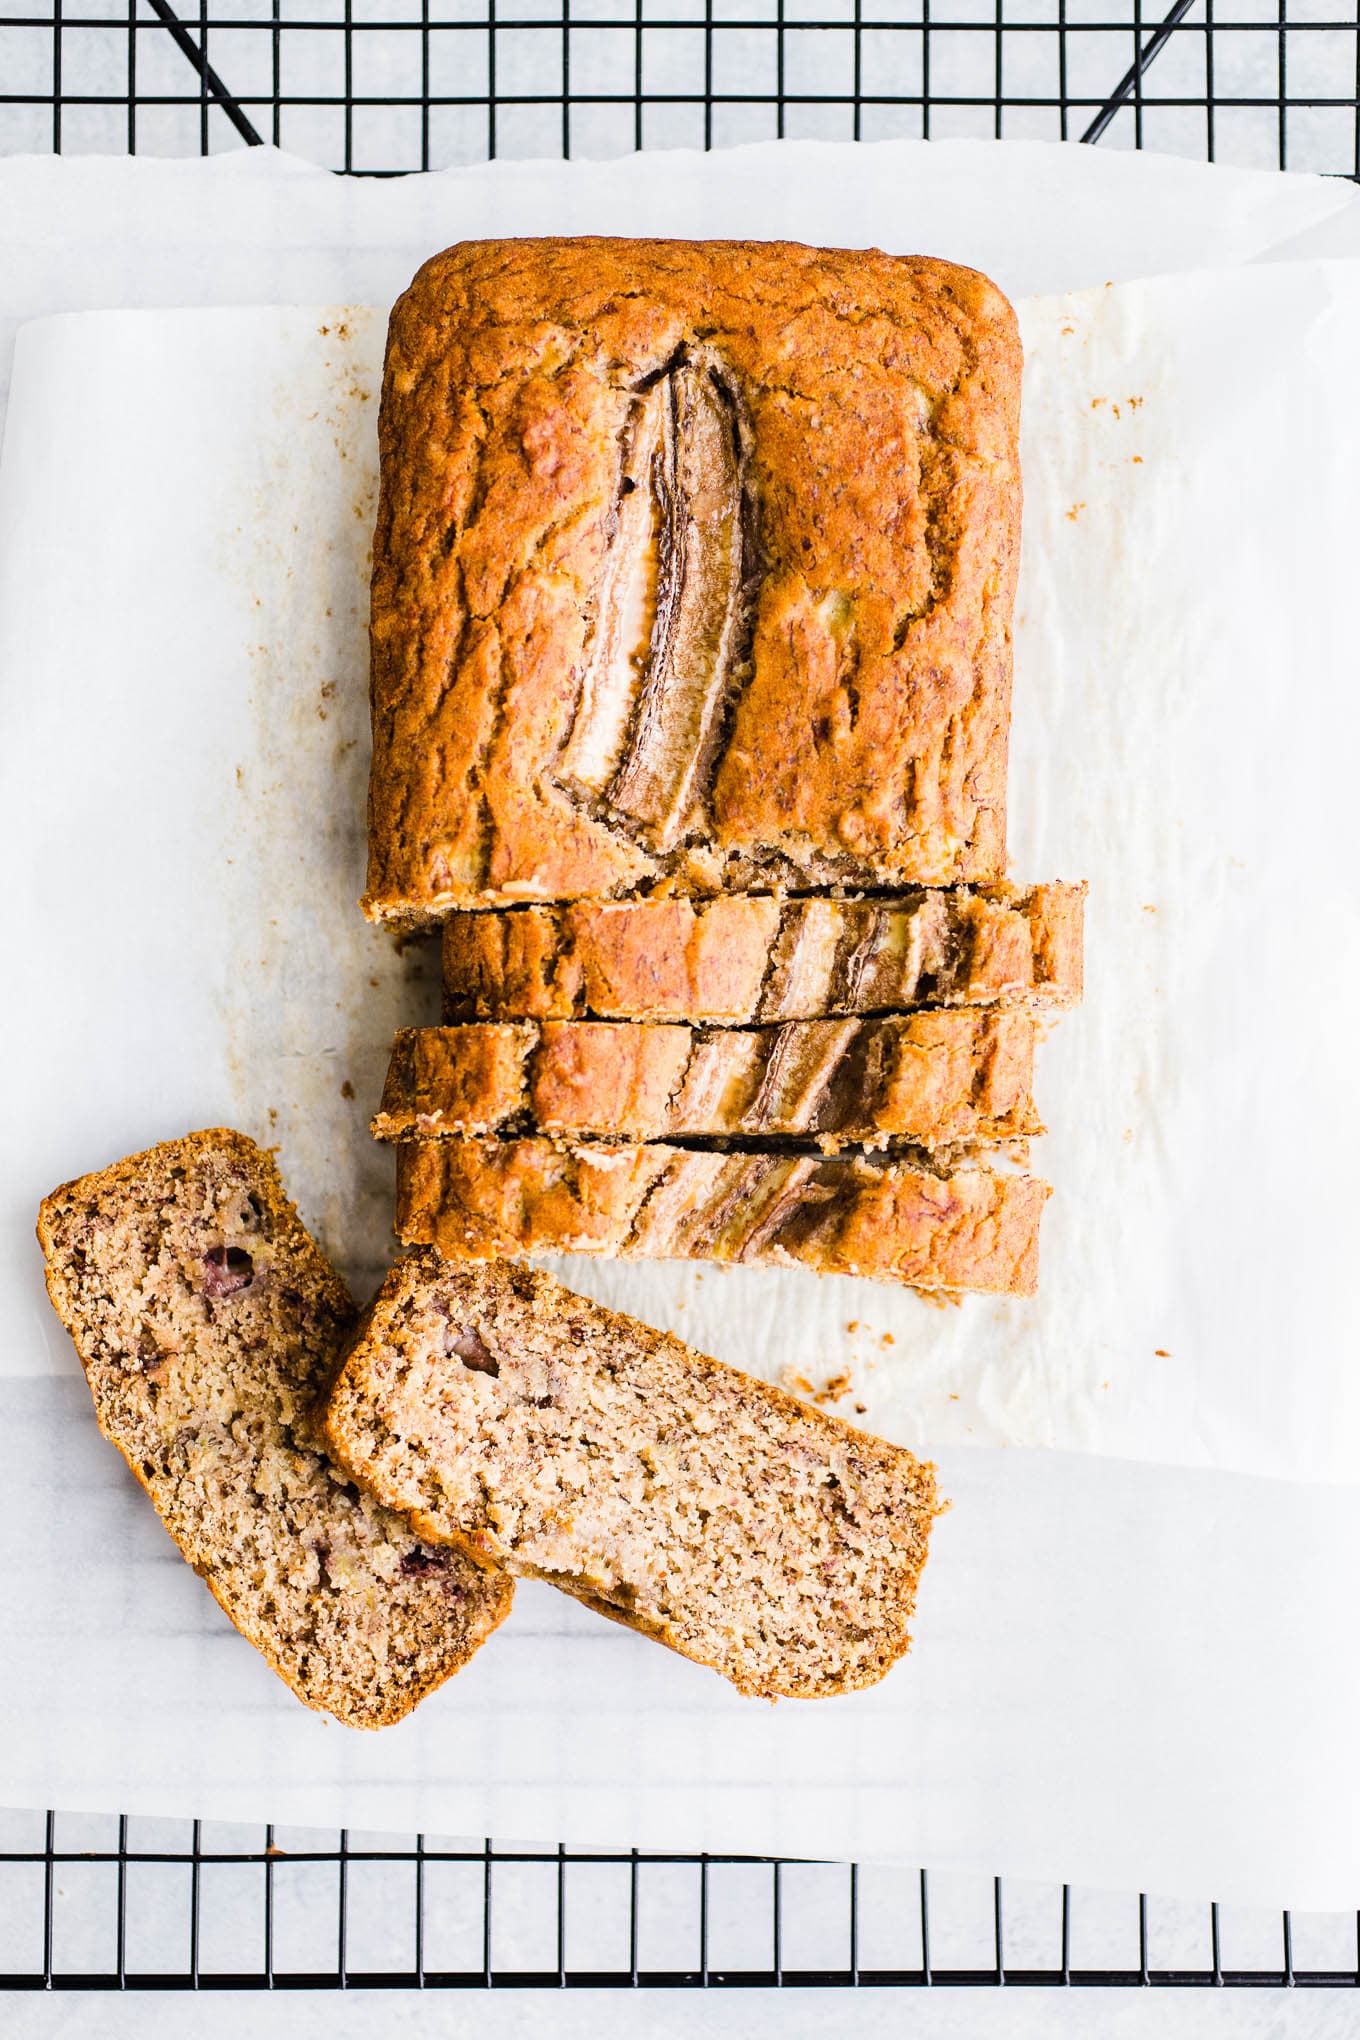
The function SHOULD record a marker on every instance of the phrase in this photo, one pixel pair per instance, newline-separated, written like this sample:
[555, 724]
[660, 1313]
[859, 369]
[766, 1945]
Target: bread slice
[208, 1324]
[974, 1229]
[934, 1079]
[568, 1443]
[743, 960]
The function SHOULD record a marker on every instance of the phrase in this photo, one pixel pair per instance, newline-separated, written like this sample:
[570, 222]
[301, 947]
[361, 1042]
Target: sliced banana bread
[743, 959]
[843, 1215]
[568, 1443]
[933, 1079]
[208, 1323]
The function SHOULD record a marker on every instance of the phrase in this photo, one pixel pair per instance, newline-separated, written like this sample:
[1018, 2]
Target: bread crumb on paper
[832, 1390]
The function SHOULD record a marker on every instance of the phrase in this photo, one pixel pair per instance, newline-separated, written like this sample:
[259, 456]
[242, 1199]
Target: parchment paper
[1090, 1697]
[204, 704]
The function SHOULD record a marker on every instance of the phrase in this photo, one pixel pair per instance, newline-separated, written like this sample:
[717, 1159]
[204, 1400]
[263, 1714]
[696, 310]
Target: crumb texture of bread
[694, 566]
[746, 1530]
[477, 1199]
[208, 1324]
[746, 960]
[935, 1080]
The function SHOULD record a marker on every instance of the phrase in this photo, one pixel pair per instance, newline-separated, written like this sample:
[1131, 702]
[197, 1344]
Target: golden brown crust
[720, 1516]
[475, 1200]
[935, 1080]
[858, 729]
[740, 959]
[286, 1510]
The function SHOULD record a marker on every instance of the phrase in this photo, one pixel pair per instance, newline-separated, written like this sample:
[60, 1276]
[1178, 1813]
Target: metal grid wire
[382, 86]
[391, 85]
[87, 1905]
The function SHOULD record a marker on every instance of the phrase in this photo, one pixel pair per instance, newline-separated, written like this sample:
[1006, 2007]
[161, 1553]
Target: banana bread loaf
[742, 960]
[843, 1215]
[208, 1324]
[932, 1079]
[748, 1531]
[694, 562]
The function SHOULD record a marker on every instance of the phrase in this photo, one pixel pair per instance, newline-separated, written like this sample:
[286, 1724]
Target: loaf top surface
[694, 564]
[208, 1323]
[742, 1527]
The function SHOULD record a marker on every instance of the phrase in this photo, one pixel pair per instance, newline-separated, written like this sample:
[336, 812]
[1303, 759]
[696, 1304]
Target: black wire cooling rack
[186, 1908]
[382, 86]
[392, 85]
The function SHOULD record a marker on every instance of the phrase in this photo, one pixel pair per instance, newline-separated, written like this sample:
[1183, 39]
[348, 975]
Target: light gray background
[599, 2015]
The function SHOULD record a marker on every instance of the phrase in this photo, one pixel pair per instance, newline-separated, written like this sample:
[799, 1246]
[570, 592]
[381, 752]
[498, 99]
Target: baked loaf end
[208, 1322]
[694, 563]
[477, 1199]
[568, 1443]
[743, 960]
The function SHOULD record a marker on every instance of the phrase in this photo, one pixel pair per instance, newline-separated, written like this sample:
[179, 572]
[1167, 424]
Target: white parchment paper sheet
[202, 707]
[258, 227]
[1090, 1697]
